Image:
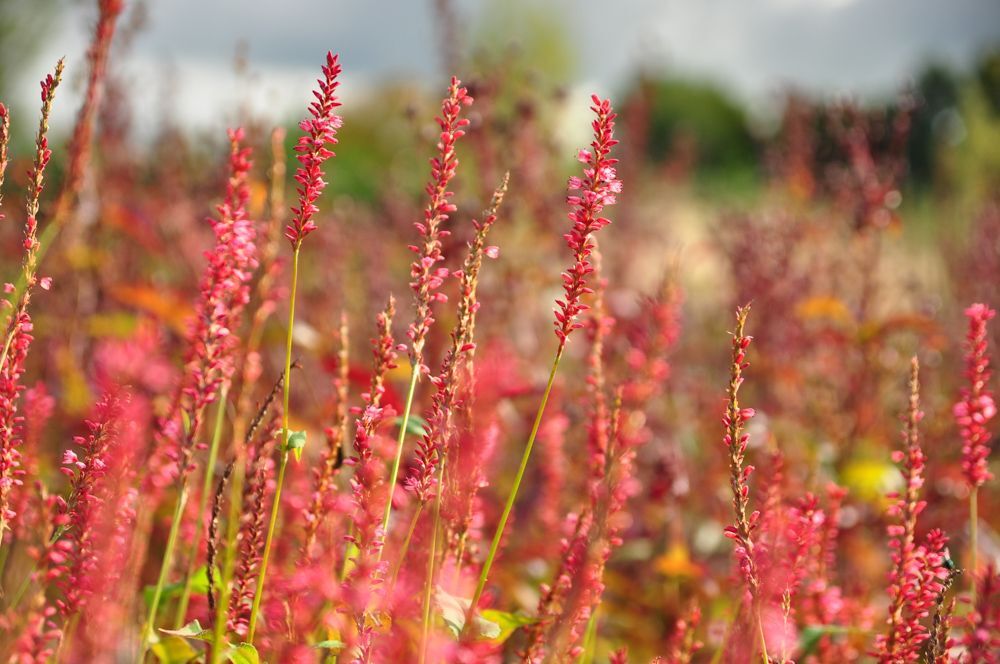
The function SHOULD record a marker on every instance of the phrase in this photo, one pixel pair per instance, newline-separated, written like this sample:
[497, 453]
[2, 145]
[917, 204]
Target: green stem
[66, 638]
[276, 505]
[4, 555]
[18, 595]
[717, 657]
[431, 561]
[460, 556]
[44, 241]
[259, 589]
[405, 547]
[168, 556]
[974, 538]
[587, 656]
[350, 555]
[394, 475]
[206, 492]
[229, 559]
[495, 545]
[760, 633]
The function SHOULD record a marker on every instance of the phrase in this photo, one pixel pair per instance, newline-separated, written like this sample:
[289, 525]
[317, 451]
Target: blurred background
[182, 54]
[835, 161]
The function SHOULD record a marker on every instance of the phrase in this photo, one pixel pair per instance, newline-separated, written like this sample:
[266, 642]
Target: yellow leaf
[676, 562]
[171, 308]
[824, 307]
[870, 479]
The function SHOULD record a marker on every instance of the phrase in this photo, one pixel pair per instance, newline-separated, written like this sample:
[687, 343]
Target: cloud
[754, 47]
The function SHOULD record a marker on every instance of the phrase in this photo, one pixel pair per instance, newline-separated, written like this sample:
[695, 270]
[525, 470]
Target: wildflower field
[495, 376]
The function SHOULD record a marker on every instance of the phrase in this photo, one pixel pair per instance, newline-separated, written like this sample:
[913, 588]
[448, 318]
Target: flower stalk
[427, 276]
[589, 195]
[319, 131]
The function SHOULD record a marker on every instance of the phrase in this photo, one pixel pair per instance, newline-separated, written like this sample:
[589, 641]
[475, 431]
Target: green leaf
[192, 630]
[453, 611]
[173, 650]
[296, 441]
[330, 644]
[199, 586]
[244, 653]
[185, 422]
[416, 425]
[811, 634]
[508, 622]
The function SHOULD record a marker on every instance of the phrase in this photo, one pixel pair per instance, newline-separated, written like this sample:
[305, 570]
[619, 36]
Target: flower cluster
[333, 455]
[683, 644]
[427, 277]
[17, 337]
[553, 599]
[73, 559]
[366, 515]
[597, 188]
[79, 144]
[38, 408]
[20, 329]
[976, 406]
[37, 175]
[918, 573]
[650, 336]
[435, 440]
[319, 132]
[225, 290]
[735, 439]
[253, 529]
[982, 635]
[4, 146]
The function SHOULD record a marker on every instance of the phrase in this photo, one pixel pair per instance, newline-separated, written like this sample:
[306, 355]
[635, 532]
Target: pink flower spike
[976, 406]
[320, 131]
[425, 273]
[594, 192]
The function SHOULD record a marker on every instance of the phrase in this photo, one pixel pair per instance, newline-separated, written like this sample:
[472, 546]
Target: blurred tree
[973, 162]
[23, 27]
[988, 74]
[937, 88]
[687, 115]
[954, 136]
[378, 149]
[542, 45]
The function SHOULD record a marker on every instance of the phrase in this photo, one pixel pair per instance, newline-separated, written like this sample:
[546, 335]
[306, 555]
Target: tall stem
[587, 653]
[229, 560]
[206, 491]
[276, 505]
[485, 572]
[394, 474]
[168, 557]
[431, 562]
[760, 634]
[405, 546]
[974, 538]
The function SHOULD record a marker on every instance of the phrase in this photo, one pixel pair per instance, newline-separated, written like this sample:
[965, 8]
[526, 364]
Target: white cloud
[755, 47]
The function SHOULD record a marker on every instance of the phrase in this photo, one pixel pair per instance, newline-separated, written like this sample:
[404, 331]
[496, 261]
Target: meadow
[420, 381]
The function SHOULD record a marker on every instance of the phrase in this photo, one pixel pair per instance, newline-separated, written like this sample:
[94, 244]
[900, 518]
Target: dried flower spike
[736, 439]
[919, 571]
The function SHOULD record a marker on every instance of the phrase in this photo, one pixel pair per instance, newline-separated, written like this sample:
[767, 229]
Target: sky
[754, 48]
